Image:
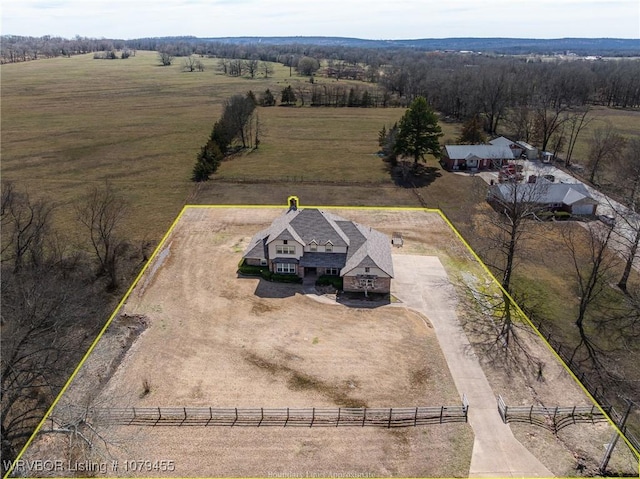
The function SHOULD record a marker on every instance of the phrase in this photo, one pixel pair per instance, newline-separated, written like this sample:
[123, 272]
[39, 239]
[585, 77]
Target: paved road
[421, 283]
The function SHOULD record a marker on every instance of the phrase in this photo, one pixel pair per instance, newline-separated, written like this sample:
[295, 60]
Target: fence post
[390, 414]
[616, 435]
[364, 416]
[441, 411]
[531, 414]
[185, 414]
[159, 413]
[287, 420]
[339, 411]
[236, 419]
[261, 416]
[415, 418]
[134, 413]
[313, 416]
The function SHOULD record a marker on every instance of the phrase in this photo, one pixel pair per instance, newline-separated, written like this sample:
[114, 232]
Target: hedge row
[263, 272]
[326, 280]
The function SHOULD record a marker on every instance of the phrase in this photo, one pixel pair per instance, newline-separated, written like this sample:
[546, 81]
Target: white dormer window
[367, 270]
[328, 247]
[313, 246]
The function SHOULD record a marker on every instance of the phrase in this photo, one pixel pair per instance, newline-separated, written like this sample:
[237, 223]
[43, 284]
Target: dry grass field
[213, 339]
[69, 123]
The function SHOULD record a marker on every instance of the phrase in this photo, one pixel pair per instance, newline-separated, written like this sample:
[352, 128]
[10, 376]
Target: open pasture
[69, 123]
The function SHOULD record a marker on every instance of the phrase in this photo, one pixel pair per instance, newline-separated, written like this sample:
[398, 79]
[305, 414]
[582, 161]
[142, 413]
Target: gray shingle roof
[546, 193]
[365, 246]
[323, 260]
[312, 224]
[489, 152]
[374, 252]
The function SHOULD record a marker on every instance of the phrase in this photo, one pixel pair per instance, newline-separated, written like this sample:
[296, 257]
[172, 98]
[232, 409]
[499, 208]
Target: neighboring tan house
[573, 198]
[314, 242]
[475, 157]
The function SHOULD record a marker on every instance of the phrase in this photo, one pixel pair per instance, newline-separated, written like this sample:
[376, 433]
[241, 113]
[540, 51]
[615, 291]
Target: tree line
[238, 128]
[57, 292]
[457, 85]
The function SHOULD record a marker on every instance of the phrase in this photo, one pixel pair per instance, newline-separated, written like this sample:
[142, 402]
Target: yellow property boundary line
[297, 202]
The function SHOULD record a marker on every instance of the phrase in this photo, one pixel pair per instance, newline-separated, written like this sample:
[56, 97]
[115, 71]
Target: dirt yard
[212, 339]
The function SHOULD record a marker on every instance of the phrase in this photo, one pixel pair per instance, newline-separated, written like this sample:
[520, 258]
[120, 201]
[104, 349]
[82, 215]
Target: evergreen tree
[418, 132]
[200, 172]
[354, 98]
[288, 96]
[267, 98]
[472, 133]
[366, 100]
[221, 136]
[252, 96]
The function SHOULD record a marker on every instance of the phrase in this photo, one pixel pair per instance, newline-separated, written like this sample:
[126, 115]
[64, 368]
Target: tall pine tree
[418, 132]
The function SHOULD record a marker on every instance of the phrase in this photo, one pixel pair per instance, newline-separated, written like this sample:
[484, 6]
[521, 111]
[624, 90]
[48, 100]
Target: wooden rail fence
[257, 417]
[598, 392]
[552, 418]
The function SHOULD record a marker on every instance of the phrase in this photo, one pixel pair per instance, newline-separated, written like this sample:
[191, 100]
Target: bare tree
[165, 57]
[517, 205]
[604, 145]
[547, 118]
[629, 173]
[630, 233]
[237, 116]
[25, 224]
[50, 310]
[576, 122]
[266, 68]
[593, 263]
[102, 213]
[251, 65]
[223, 65]
[190, 64]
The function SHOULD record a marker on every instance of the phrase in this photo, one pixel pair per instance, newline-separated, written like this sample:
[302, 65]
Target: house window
[285, 241]
[284, 249]
[263, 262]
[286, 268]
[333, 271]
[328, 247]
[313, 247]
[367, 270]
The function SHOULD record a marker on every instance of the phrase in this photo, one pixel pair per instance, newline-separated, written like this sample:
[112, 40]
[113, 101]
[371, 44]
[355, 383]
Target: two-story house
[315, 242]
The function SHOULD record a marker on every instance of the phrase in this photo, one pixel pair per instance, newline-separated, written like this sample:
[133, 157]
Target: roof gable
[366, 247]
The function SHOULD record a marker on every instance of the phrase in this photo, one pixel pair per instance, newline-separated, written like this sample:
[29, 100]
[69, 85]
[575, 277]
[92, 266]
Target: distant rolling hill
[581, 46]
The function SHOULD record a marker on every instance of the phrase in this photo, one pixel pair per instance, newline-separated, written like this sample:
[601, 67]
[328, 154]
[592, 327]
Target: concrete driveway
[421, 283]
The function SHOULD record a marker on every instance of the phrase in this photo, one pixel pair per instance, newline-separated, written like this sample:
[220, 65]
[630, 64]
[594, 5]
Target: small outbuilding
[529, 151]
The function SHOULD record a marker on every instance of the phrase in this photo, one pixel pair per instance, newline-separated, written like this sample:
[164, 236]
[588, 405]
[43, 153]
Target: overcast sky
[370, 19]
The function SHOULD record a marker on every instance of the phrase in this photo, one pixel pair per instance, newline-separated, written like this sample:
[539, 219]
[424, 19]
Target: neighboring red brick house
[475, 157]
